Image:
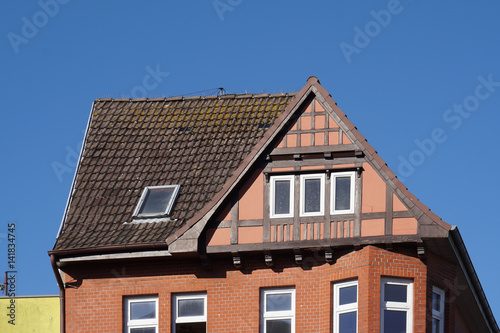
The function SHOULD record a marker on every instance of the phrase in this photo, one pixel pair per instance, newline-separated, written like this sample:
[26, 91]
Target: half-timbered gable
[315, 182]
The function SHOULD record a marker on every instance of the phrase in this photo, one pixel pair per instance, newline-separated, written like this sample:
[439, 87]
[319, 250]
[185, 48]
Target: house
[39, 313]
[252, 213]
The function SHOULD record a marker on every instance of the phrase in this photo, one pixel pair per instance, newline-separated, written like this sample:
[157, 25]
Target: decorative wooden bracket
[298, 256]
[266, 177]
[236, 260]
[421, 250]
[268, 258]
[358, 171]
[329, 255]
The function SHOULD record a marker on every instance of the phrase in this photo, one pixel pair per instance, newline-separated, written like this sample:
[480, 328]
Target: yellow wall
[32, 314]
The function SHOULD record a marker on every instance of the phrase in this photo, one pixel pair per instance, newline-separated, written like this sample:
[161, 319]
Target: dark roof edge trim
[73, 183]
[109, 249]
[460, 250]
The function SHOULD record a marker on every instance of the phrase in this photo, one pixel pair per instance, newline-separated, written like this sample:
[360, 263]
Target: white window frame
[140, 323]
[191, 319]
[346, 308]
[397, 306]
[144, 195]
[273, 180]
[333, 177]
[266, 315]
[439, 315]
[303, 179]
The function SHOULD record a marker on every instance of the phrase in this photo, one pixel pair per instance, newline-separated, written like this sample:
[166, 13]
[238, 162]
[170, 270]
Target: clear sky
[420, 80]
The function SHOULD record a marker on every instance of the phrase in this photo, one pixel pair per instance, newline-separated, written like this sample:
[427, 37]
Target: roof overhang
[113, 256]
[470, 297]
[470, 274]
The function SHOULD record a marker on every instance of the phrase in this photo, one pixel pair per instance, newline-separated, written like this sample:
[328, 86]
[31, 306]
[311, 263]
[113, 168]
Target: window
[278, 311]
[141, 314]
[397, 300]
[190, 313]
[312, 195]
[281, 196]
[437, 310]
[157, 201]
[345, 307]
[342, 193]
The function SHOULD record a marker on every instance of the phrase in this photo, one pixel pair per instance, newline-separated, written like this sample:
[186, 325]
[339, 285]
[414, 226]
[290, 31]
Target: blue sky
[420, 80]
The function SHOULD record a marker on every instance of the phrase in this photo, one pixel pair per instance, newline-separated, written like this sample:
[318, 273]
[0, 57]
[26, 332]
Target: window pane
[279, 302]
[191, 307]
[142, 310]
[279, 326]
[395, 293]
[342, 193]
[191, 328]
[347, 322]
[394, 321]
[435, 325]
[348, 295]
[282, 197]
[143, 330]
[156, 201]
[436, 302]
[312, 193]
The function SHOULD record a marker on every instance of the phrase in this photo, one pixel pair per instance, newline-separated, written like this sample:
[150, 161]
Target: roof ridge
[183, 98]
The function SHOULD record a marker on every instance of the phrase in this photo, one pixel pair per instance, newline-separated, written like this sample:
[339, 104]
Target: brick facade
[96, 302]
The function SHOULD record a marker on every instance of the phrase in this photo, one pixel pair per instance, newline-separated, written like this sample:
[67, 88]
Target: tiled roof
[195, 142]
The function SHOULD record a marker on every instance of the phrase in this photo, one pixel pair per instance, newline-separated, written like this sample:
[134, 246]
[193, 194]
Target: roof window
[157, 201]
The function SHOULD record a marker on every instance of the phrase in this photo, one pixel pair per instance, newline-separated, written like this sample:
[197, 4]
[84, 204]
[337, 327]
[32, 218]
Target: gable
[319, 141]
[324, 148]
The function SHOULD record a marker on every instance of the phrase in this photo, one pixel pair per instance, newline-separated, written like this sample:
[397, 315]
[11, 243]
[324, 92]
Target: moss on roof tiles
[196, 142]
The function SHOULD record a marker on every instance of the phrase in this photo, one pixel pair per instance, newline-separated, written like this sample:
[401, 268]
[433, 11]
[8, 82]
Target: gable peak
[313, 79]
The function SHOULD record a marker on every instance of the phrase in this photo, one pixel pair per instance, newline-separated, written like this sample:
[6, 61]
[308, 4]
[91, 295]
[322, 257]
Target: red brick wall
[442, 274]
[234, 295]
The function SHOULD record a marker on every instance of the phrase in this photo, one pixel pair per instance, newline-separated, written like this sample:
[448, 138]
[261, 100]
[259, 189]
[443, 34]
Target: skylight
[157, 201]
